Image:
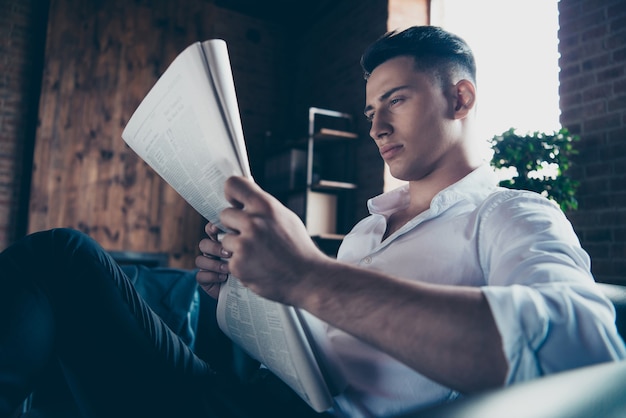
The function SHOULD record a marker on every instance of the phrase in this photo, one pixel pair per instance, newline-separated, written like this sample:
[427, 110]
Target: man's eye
[369, 117]
[394, 101]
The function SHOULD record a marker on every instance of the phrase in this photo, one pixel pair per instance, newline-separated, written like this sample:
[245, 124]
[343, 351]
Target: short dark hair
[434, 50]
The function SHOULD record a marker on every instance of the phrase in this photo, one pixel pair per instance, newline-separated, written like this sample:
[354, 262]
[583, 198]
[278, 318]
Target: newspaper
[188, 129]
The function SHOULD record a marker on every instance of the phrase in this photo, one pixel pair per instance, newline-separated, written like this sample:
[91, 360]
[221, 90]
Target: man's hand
[213, 268]
[268, 248]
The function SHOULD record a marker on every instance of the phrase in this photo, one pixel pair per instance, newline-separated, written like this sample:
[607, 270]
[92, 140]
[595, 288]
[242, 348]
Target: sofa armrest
[593, 391]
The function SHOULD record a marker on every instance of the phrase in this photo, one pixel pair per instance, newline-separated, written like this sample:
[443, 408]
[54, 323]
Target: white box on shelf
[321, 213]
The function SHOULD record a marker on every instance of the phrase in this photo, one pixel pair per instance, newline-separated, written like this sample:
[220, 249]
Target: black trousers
[67, 308]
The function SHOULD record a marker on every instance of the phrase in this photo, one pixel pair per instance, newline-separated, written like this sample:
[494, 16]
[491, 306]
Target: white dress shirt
[518, 247]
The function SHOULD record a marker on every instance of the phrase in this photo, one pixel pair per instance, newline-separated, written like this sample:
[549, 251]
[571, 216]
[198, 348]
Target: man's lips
[389, 150]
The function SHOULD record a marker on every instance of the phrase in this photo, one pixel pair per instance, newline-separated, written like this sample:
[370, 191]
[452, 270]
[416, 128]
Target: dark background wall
[72, 73]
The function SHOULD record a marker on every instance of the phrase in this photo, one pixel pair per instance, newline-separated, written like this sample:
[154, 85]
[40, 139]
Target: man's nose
[380, 127]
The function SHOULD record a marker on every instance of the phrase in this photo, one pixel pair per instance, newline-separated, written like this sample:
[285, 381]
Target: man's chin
[394, 179]
[398, 174]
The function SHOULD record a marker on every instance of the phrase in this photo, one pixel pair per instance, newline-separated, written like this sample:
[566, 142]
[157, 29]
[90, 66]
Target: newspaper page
[188, 129]
[179, 130]
[271, 333]
[224, 85]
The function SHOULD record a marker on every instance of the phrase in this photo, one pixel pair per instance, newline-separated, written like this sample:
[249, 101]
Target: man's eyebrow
[385, 96]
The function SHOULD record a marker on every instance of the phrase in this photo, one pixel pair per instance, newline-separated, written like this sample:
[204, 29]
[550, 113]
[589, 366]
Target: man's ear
[465, 98]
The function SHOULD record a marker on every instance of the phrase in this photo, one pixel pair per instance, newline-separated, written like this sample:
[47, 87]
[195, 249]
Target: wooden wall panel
[101, 59]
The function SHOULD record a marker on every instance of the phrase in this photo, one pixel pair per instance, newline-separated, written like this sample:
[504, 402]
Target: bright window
[516, 48]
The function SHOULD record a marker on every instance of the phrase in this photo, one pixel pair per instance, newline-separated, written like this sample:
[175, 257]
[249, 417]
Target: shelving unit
[329, 172]
[314, 176]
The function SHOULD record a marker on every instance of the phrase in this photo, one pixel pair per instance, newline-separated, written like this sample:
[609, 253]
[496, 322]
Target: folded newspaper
[188, 129]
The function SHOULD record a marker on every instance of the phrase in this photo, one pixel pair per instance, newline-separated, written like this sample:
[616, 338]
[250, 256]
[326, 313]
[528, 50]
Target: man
[452, 285]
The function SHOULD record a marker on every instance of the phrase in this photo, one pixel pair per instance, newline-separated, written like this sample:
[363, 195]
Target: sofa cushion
[172, 294]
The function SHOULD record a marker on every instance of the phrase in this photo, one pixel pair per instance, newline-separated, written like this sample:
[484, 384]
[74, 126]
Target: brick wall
[22, 35]
[593, 104]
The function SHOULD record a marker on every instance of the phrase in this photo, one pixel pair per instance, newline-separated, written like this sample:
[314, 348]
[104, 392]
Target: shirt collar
[474, 187]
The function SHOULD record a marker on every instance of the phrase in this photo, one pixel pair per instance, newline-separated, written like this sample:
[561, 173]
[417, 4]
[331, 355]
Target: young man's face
[412, 120]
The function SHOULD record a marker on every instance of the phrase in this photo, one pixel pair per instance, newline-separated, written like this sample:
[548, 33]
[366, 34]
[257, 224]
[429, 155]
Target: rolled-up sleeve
[550, 314]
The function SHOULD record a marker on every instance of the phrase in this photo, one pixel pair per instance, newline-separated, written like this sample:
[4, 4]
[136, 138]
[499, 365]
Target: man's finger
[212, 231]
[234, 219]
[244, 193]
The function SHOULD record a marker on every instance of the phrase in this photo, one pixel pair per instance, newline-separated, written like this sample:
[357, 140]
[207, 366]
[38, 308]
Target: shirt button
[367, 260]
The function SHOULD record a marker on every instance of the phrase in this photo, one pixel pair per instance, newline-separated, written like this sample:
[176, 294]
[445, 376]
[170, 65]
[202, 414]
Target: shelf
[313, 176]
[333, 134]
[332, 185]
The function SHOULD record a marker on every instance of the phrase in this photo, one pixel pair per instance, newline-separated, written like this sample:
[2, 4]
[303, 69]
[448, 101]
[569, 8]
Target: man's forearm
[446, 333]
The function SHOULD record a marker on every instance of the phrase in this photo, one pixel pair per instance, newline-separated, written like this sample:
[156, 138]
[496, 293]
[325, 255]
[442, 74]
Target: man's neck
[422, 191]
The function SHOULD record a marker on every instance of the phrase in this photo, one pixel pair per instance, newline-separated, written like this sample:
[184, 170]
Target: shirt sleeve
[550, 314]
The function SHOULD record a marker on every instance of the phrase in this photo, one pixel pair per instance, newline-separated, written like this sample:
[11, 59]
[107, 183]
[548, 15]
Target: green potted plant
[538, 162]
